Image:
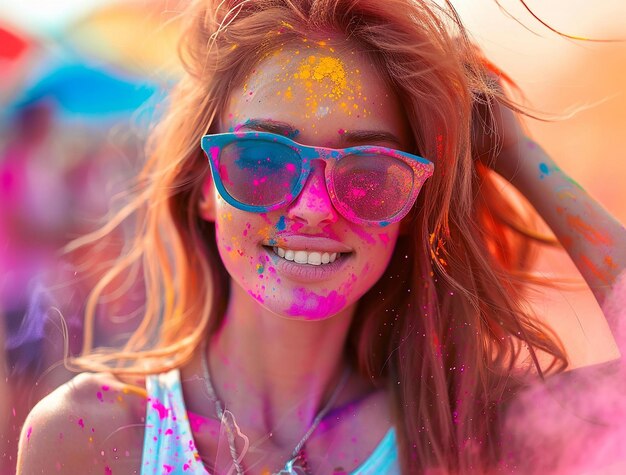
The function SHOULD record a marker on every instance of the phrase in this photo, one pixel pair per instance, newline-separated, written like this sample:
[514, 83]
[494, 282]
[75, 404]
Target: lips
[308, 258]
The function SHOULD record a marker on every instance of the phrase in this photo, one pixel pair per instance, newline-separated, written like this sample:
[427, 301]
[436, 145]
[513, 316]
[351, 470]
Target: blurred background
[82, 82]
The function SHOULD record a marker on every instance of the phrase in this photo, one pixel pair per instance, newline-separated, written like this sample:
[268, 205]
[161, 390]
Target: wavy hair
[445, 329]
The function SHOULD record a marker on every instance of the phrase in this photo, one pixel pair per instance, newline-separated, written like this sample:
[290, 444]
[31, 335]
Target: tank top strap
[168, 445]
[383, 460]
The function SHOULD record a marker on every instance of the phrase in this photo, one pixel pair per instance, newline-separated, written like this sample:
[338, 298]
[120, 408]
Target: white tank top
[169, 448]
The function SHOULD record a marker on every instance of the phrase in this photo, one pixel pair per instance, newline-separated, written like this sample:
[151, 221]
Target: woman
[311, 309]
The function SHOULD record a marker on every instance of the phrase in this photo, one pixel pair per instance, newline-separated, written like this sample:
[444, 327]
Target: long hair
[445, 328]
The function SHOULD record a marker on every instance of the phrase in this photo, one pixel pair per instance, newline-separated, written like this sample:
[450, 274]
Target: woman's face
[320, 95]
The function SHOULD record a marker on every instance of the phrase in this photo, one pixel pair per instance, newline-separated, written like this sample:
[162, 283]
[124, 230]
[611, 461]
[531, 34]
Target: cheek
[233, 234]
[377, 240]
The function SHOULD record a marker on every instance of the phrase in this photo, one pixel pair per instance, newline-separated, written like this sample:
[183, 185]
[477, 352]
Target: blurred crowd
[76, 106]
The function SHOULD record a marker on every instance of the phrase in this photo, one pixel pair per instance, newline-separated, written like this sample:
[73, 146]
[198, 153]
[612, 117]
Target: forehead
[321, 89]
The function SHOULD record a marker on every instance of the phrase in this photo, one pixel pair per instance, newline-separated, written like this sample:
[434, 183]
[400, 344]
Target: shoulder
[92, 422]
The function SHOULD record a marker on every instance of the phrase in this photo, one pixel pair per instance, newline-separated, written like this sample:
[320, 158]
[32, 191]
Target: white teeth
[300, 257]
[314, 258]
[303, 257]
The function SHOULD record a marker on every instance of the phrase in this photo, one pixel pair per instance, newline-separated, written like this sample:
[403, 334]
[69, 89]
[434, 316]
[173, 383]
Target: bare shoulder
[92, 422]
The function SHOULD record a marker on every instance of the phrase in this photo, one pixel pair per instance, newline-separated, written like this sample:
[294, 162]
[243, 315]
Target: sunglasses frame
[213, 144]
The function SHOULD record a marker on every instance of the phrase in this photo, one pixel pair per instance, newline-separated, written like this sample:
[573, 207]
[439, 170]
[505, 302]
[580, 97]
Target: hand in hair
[594, 240]
[496, 131]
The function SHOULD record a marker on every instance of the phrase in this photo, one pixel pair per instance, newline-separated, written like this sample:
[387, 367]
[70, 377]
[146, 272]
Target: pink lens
[372, 187]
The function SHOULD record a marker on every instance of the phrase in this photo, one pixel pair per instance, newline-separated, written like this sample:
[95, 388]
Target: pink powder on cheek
[311, 305]
[384, 238]
[265, 218]
[258, 297]
[365, 236]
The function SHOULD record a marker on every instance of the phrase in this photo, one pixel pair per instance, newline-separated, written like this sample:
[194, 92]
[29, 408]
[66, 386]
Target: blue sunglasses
[262, 171]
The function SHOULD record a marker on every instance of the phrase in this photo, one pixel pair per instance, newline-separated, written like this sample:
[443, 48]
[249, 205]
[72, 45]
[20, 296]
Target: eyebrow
[353, 137]
[370, 137]
[268, 125]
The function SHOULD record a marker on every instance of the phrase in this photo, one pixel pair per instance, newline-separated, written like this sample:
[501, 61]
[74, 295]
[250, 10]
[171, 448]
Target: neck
[275, 374]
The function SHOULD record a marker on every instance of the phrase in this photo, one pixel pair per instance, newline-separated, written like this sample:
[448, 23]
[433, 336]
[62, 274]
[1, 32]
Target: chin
[305, 304]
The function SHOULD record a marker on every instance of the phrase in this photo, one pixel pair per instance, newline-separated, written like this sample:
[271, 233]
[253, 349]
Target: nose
[313, 207]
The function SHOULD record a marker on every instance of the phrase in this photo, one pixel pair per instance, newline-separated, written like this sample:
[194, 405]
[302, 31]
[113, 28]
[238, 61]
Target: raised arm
[595, 240]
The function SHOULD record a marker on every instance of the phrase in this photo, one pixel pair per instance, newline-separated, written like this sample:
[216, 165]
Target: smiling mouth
[314, 258]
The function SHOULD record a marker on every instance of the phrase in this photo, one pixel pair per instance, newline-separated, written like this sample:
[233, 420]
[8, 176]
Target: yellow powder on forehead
[324, 68]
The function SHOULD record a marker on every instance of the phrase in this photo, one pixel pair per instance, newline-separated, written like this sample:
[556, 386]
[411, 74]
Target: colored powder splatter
[325, 67]
[196, 422]
[574, 182]
[545, 171]
[589, 233]
[439, 147]
[167, 468]
[565, 192]
[260, 268]
[311, 305]
[99, 396]
[594, 269]
[28, 433]
[256, 297]
[81, 423]
[384, 238]
[108, 471]
[105, 387]
[266, 232]
[161, 409]
[609, 262]
[364, 235]
[281, 225]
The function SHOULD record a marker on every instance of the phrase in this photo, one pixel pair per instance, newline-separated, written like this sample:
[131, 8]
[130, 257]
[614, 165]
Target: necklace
[297, 464]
